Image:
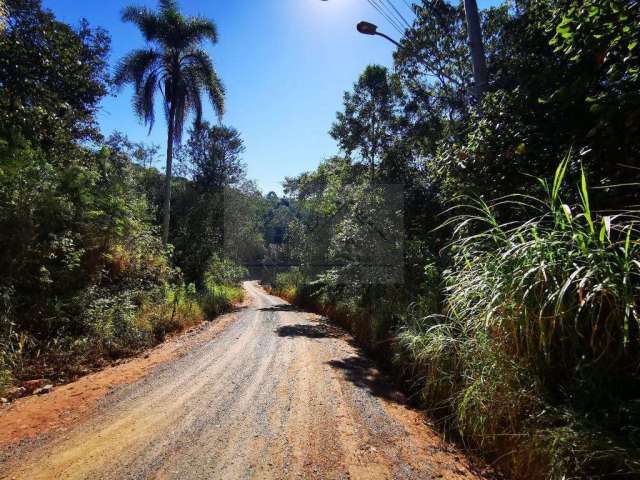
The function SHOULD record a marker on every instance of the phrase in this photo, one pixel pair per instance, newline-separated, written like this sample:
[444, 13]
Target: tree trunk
[476, 45]
[166, 209]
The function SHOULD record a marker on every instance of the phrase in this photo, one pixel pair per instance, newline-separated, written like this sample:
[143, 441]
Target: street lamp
[367, 28]
[476, 45]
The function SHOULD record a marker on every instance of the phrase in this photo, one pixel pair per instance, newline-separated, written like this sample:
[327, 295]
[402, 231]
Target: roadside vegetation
[86, 278]
[486, 249]
[515, 320]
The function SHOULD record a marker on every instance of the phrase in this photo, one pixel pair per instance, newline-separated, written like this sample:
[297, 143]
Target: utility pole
[4, 14]
[476, 45]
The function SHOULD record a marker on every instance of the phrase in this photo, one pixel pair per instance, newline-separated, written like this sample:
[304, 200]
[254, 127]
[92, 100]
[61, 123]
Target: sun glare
[319, 9]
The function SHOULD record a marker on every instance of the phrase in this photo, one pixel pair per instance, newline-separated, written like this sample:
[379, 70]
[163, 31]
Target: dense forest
[505, 281]
[86, 276]
[484, 247]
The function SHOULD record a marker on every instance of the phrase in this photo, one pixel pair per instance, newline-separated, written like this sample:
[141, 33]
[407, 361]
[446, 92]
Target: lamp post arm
[397, 44]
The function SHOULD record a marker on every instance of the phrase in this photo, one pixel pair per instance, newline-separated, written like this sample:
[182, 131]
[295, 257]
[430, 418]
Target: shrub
[218, 299]
[536, 356]
[287, 284]
[223, 271]
[221, 288]
[180, 310]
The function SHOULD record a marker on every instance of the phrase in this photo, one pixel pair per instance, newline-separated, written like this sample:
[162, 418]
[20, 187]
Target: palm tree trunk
[166, 209]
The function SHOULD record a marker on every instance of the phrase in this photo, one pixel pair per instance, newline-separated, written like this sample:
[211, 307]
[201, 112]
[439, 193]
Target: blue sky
[285, 65]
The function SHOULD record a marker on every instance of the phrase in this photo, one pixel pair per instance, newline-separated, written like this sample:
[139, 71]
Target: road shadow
[315, 330]
[363, 374]
[280, 308]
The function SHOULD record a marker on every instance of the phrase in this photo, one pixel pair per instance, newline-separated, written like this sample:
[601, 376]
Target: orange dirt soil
[33, 416]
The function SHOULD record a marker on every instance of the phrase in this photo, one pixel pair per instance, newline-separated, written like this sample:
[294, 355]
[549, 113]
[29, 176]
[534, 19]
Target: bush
[287, 284]
[180, 310]
[223, 271]
[221, 288]
[219, 299]
[536, 356]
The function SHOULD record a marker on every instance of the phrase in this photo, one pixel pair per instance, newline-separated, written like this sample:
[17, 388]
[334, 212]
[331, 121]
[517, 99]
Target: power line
[384, 15]
[409, 5]
[394, 23]
[398, 13]
[390, 13]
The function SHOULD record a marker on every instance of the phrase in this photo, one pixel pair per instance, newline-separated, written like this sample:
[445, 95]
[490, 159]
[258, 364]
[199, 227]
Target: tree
[139, 152]
[175, 65]
[214, 153]
[52, 77]
[370, 119]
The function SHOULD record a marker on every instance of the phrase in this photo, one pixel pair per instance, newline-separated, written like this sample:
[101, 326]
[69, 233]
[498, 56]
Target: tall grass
[564, 285]
[218, 299]
[221, 286]
[288, 284]
[180, 310]
[536, 357]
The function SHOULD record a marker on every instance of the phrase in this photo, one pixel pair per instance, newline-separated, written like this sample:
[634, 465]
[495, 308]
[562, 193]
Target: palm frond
[201, 68]
[133, 67]
[177, 67]
[169, 6]
[199, 29]
[194, 98]
[143, 100]
[181, 109]
[146, 20]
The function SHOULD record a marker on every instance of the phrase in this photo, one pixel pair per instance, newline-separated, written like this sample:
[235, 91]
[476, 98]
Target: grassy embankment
[117, 330]
[527, 350]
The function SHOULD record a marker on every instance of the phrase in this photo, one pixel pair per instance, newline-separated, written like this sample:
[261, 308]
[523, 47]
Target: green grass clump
[288, 284]
[535, 359]
[218, 299]
[221, 286]
[179, 310]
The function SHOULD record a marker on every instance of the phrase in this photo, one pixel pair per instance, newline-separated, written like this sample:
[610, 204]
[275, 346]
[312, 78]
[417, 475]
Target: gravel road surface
[277, 394]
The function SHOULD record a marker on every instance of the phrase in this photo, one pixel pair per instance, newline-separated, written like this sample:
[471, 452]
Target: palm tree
[175, 65]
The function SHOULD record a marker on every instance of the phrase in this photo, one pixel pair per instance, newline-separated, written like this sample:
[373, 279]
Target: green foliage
[540, 336]
[565, 291]
[218, 299]
[562, 76]
[371, 116]
[221, 287]
[600, 40]
[219, 207]
[288, 284]
[223, 271]
[52, 77]
[215, 154]
[85, 276]
[179, 310]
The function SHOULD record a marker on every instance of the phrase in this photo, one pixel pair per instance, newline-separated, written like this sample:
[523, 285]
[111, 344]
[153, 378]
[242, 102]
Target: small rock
[16, 392]
[32, 385]
[43, 390]
[4, 400]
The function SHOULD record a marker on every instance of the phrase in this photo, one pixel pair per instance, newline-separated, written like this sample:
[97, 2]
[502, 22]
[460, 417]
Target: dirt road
[277, 394]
